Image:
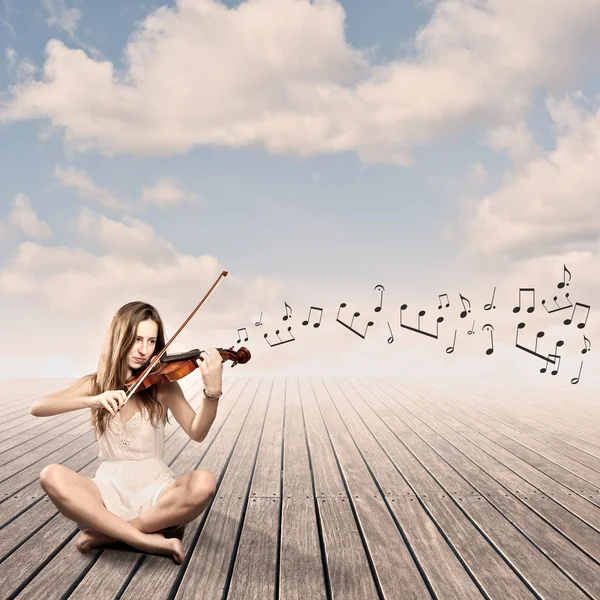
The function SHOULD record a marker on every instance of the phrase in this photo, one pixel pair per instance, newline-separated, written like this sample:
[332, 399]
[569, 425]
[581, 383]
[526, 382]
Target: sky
[374, 154]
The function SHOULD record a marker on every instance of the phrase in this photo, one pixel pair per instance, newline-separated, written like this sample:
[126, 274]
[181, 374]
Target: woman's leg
[76, 497]
[178, 503]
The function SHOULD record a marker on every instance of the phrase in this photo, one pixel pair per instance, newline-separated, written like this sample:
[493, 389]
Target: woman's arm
[78, 395]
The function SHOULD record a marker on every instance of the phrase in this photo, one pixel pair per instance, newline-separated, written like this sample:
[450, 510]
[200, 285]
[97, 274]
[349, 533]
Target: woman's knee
[202, 485]
[50, 478]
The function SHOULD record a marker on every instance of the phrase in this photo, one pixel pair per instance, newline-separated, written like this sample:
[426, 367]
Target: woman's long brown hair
[112, 364]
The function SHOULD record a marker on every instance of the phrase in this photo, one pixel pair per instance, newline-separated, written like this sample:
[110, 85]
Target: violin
[176, 366]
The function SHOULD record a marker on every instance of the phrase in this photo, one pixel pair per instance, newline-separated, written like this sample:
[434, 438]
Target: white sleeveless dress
[133, 472]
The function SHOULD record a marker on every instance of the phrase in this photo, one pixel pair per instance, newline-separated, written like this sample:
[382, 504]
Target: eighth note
[531, 308]
[463, 314]
[582, 324]
[585, 343]
[308, 318]
[562, 283]
[285, 318]
[239, 336]
[356, 314]
[544, 369]
[447, 300]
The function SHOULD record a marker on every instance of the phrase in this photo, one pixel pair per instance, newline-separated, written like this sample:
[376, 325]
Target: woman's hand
[110, 400]
[210, 364]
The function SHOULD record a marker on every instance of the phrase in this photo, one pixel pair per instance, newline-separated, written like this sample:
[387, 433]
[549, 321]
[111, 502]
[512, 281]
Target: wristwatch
[211, 397]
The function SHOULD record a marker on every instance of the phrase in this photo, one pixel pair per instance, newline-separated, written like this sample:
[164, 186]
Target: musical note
[543, 369]
[259, 322]
[472, 329]
[378, 308]
[490, 350]
[586, 349]
[562, 283]
[308, 318]
[391, 338]
[282, 341]
[285, 318]
[450, 349]
[239, 336]
[463, 314]
[539, 335]
[356, 314]
[418, 330]
[489, 306]
[576, 379]
[530, 309]
[555, 302]
[579, 325]
[447, 300]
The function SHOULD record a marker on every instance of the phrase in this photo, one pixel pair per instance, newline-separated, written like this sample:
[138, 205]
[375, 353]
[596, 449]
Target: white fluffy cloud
[24, 220]
[166, 193]
[281, 74]
[550, 204]
[117, 259]
[85, 188]
[59, 15]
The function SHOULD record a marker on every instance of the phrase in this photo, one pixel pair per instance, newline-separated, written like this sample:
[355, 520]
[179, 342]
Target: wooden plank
[558, 416]
[573, 436]
[37, 427]
[516, 418]
[50, 554]
[573, 475]
[484, 437]
[13, 392]
[31, 389]
[485, 565]
[20, 402]
[254, 572]
[24, 455]
[444, 573]
[542, 556]
[301, 570]
[36, 436]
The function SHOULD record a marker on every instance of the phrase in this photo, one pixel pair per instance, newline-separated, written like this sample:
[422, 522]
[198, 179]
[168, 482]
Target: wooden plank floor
[330, 488]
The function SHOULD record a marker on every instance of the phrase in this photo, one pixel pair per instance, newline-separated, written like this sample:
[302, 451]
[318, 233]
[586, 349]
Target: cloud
[280, 74]
[23, 219]
[85, 188]
[58, 15]
[166, 193]
[116, 259]
[549, 204]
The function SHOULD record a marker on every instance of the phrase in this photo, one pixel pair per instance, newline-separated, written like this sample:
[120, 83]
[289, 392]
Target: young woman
[134, 495]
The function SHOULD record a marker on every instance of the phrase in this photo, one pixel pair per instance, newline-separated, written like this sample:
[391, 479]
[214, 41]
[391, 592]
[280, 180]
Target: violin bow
[158, 356]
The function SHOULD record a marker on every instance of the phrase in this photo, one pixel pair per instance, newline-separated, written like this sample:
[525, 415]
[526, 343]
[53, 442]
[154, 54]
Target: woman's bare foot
[90, 538]
[178, 550]
[162, 545]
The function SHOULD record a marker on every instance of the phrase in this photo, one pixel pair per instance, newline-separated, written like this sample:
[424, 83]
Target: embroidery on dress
[126, 429]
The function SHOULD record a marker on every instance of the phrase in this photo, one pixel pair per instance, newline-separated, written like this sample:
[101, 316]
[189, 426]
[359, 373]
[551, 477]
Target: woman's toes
[177, 549]
[83, 541]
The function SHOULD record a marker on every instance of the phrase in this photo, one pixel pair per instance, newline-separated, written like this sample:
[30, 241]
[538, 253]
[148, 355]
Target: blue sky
[426, 168]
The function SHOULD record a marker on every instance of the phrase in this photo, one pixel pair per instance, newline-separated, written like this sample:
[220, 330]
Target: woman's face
[143, 346]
